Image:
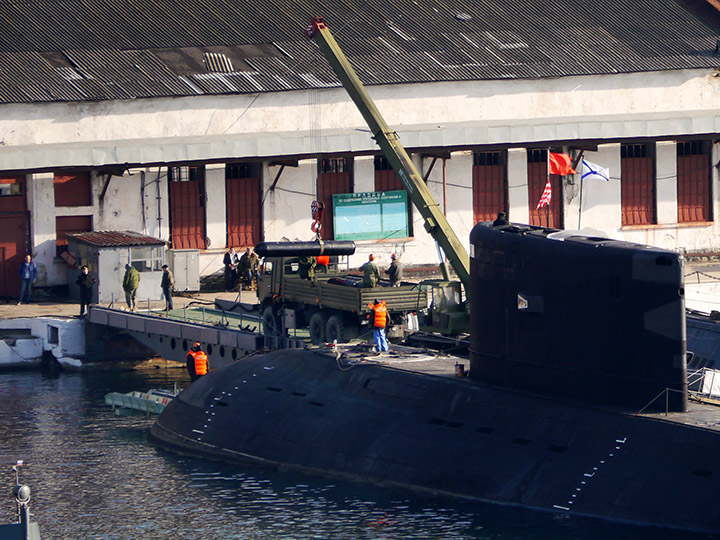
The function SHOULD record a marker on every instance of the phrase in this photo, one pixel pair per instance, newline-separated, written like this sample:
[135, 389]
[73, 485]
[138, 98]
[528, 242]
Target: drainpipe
[159, 199]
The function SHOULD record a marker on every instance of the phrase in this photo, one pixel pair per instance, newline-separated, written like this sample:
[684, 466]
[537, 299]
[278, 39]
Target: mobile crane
[448, 313]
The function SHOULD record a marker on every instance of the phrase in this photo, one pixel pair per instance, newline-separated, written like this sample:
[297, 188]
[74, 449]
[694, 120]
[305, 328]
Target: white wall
[494, 103]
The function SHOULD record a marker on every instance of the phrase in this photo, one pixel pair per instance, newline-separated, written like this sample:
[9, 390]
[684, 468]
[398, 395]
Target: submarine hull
[435, 432]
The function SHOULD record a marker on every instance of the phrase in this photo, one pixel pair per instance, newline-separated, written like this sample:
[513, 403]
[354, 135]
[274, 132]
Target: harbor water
[94, 476]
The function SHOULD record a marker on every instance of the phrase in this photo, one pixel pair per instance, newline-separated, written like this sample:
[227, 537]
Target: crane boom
[435, 222]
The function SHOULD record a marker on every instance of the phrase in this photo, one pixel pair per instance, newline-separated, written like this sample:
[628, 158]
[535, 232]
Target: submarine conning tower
[581, 317]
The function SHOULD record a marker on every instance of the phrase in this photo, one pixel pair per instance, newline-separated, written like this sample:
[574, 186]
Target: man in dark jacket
[85, 282]
[27, 271]
[231, 263]
[167, 283]
[395, 271]
[248, 266]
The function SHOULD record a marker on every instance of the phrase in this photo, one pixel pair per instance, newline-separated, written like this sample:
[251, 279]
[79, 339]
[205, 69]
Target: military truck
[333, 305]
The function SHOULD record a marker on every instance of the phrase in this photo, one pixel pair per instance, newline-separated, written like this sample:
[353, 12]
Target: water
[94, 476]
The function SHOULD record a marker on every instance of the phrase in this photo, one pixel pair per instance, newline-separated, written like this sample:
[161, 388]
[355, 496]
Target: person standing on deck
[231, 263]
[248, 266]
[395, 271]
[85, 282]
[371, 272]
[131, 282]
[378, 318]
[196, 362]
[167, 284]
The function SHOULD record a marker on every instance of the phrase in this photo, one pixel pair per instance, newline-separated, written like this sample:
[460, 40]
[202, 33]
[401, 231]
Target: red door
[187, 208]
[694, 180]
[13, 242]
[244, 220]
[489, 186]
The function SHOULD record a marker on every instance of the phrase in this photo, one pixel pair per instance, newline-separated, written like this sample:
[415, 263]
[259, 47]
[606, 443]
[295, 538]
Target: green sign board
[370, 216]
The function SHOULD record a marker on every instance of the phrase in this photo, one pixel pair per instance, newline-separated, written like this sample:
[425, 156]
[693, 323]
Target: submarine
[575, 401]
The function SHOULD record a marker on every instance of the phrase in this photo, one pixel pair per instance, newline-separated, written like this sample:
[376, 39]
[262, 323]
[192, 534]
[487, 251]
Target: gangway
[172, 338]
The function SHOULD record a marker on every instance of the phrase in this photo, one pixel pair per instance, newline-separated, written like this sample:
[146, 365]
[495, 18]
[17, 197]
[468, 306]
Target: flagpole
[578, 159]
[547, 179]
[580, 207]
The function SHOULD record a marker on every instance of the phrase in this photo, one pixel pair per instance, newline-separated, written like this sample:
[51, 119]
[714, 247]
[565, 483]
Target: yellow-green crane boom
[435, 222]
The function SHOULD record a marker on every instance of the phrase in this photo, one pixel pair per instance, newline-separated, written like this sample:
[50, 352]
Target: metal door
[489, 191]
[637, 166]
[693, 184]
[13, 246]
[187, 214]
[244, 218]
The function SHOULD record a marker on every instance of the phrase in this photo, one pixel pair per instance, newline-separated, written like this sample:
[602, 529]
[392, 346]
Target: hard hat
[196, 344]
[371, 257]
[393, 256]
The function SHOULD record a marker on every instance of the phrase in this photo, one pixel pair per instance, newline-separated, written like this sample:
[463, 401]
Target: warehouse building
[214, 124]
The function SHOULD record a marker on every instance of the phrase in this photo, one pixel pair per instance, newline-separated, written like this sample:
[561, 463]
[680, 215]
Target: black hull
[449, 435]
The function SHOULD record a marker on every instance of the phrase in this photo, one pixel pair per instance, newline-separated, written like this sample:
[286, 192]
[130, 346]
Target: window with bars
[187, 207]
[489, 185]
[694, 181]
[638, 187]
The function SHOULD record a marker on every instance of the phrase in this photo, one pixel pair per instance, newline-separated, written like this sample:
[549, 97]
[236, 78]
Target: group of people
[371, 272]
[85, 283]
[131, 282]
[244, 268]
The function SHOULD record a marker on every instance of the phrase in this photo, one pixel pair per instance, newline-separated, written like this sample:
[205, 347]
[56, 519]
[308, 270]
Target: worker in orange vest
[378, 318]
[196, 362]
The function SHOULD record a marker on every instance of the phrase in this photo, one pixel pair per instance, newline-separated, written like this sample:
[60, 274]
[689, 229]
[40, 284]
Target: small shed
[106, 253]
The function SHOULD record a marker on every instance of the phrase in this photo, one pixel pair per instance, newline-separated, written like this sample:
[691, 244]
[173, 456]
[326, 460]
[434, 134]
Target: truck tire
[335, 329]
[271, 324]
[317, 327]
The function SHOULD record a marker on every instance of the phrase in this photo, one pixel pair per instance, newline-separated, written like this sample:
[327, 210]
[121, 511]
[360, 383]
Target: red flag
[559, 164]
[546, 196]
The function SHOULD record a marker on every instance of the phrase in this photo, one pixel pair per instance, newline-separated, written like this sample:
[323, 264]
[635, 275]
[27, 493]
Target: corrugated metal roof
[116, 239]
[80, 50]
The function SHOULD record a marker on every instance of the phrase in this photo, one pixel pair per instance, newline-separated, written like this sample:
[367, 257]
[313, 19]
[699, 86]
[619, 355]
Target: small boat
[23, 528]
[152, 401]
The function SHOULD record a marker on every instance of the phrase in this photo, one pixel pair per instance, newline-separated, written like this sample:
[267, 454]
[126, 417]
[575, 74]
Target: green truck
[333, 305]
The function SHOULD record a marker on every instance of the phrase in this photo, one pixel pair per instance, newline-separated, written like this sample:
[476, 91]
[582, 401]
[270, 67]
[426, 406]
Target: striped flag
[546, 196]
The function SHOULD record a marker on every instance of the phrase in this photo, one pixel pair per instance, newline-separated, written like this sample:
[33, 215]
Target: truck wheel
[271, 324]
[317, 327]
[335, 329]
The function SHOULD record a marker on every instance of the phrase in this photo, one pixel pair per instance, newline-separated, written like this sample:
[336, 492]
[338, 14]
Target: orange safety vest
[380, 315]
[201, 363]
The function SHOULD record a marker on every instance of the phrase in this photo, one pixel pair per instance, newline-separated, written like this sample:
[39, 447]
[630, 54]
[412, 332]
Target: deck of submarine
[702, 415]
